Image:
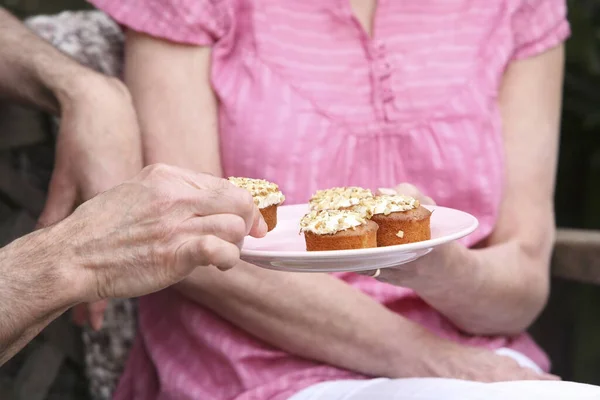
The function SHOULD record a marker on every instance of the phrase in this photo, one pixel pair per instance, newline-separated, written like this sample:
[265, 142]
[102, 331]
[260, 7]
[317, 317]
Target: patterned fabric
[96, 41]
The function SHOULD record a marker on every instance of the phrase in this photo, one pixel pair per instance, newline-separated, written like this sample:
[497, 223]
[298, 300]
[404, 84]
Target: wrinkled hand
[152, 231]
[98, 147]
[482, 365]
[420, 268]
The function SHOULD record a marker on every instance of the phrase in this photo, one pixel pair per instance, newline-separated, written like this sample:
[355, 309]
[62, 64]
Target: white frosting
[387, 204]
[336, 198]
[265, 193]
[269, 200]
[328, 222]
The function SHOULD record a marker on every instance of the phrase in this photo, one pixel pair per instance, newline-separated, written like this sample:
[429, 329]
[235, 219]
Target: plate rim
[374, 251]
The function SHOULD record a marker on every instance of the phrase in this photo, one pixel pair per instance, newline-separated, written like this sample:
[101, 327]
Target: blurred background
[570, 327]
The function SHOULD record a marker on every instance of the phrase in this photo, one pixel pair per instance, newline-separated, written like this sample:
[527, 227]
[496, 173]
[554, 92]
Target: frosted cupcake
[267, 197]
[339, 198]
[338, 230]
[401, 219]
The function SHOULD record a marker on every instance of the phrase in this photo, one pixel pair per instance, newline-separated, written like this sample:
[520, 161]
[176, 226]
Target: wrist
[415, 351]
[87, 86]
[39, 274]
[449, 264]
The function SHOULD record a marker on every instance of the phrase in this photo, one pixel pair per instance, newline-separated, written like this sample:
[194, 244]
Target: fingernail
[262, 225]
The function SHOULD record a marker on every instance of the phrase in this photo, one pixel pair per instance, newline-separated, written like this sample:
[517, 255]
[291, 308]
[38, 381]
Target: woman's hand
[475, 364]
[425, 270]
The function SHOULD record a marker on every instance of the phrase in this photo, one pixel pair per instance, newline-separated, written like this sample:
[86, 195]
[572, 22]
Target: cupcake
[340, 198]
[338, 230]
[401, 219]
[267, 197]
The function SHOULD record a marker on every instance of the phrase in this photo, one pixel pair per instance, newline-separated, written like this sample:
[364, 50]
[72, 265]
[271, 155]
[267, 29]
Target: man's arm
[127, 253]
[33, 288]
[34, 73]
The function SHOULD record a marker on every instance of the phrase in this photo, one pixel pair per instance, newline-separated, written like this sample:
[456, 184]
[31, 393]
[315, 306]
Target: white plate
[284, 248]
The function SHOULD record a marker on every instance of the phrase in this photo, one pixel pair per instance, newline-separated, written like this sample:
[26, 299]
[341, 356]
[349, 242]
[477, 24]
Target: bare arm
[510, 276]
[177, 109]
[35, 73]
[33, 290]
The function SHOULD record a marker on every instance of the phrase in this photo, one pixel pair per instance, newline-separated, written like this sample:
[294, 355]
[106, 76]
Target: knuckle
[237, 227]
[245, 202]
[158, 169]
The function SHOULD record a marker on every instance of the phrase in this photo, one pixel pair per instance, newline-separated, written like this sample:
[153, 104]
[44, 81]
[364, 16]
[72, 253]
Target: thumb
[59, 203]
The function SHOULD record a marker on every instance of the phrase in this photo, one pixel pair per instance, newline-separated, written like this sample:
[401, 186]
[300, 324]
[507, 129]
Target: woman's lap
[446, 389]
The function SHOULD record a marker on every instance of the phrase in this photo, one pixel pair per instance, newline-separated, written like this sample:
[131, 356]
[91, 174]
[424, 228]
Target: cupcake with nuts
[267, 197]
[339, 198]
[338, 230]
[401, 219]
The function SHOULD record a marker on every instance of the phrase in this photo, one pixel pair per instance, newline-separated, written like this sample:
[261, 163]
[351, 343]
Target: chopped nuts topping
[338, 198]
[328, 222]
[265, 193]
[400, 234]
[386, 204]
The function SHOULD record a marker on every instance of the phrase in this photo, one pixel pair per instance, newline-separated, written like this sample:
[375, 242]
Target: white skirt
[450, 389]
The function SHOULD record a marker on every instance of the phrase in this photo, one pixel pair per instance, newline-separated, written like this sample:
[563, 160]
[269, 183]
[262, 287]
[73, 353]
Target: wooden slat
[21, 127]
[38, 373]
[13, 186]
[63, 334]
[577, 255]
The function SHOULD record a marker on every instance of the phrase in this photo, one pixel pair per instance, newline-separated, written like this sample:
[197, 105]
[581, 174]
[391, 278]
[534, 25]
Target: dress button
[384, 70]
[379, 48]
[387, 95]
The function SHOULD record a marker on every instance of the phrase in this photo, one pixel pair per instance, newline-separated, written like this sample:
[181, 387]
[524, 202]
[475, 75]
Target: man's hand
[98, 147]
[153, 230]
[139, 237]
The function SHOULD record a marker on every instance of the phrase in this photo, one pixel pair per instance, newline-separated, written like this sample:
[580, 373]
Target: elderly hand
[98, 147]
[152, 231]
[426, 268]
[469, 363]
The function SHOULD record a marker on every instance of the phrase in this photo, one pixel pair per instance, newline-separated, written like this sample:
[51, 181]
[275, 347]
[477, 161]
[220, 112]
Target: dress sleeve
[539, 25]
[197, 22]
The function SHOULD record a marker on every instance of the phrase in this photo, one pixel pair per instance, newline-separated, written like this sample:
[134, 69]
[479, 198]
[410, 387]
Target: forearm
[314, 316]
[487, 291]
[178, 111]
[32, 72]
[33, 291]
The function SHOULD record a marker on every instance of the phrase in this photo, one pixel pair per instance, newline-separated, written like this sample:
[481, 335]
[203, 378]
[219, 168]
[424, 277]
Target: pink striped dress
[309, 100]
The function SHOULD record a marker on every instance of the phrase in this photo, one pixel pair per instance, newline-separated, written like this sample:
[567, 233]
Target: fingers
[209, 250]
[60, 202]
[90, 312]
[408, 189]
[259, 226]
[226, 198]
[210, 195]
[228, 227]
[96, 313]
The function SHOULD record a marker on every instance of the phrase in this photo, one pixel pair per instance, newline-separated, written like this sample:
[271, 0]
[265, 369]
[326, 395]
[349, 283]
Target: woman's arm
[501, 288]
[176, 106]
[319, 317]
